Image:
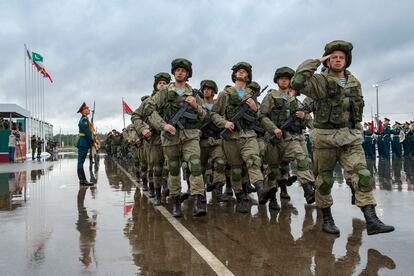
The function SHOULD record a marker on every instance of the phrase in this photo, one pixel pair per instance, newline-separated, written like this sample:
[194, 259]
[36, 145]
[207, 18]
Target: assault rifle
[288, 125]
[242, 114]
[175, 120]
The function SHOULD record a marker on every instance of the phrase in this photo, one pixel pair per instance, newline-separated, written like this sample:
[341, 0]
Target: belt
[82, 134]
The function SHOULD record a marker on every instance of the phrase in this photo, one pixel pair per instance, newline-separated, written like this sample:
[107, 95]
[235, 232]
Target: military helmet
[208, 83]
[339, 45]
[162, 76]
[241, 65]
[182, 63]
[254, 86]
[283, 72]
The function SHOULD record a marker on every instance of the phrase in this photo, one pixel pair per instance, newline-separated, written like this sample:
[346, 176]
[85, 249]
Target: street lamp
[376, 86]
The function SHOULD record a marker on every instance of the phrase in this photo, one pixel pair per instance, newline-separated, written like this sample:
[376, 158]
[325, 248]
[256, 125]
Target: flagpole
[123, 111]
[26, 101]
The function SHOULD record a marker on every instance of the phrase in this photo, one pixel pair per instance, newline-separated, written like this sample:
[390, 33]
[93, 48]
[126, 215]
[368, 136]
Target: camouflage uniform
[184, 145]
[337, 135]
[242, 147]
[275, 109]
[154, 149]
[212, 156]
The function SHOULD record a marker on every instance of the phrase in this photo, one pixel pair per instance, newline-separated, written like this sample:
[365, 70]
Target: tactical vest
[234, 104]
[330, 110]
[173, 104]
[282, 110]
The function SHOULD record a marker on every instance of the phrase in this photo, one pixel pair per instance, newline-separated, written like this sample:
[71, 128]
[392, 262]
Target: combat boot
[210, 185]
[157, 199]
[229, 190]
[144, 184]
[309, 192]
[283, 192]
[328, 225]
[273, 205]
[249, 188]
[242, 206]
[264, 193]
[82, 178]
[199, 209]
[165, 190]
[177, 213]
[151, 191]
[219, 193]
[374, 224]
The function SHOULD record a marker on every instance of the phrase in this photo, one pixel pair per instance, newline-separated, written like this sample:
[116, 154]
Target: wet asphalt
[51, 226]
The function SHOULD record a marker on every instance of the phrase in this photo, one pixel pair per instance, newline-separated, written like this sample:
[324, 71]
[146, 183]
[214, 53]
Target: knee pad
[302, 162]
[219, 165]
[327, 182]
[274, 173]
[255, 161]
[236, 173]
[195, 165]
[174, 167]
[157, 170]
[364, 178]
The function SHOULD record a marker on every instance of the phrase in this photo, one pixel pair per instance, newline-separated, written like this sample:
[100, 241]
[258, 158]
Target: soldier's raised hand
[322, 59]
[300, 114]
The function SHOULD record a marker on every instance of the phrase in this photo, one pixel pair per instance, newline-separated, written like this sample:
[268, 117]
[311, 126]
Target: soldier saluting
[85, 142]
[337, 133]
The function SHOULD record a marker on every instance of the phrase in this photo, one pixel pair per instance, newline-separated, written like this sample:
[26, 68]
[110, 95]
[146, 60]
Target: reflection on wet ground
[113, 229]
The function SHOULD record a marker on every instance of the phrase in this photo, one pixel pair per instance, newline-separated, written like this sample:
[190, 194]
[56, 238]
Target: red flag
[380, 127]
[126, 108]
[372, 127]
[127, 209]
[39, 66]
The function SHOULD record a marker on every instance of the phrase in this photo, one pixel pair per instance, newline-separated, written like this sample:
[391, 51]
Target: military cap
[82, 107]
[386, 119]
[339, 45]
[241, 65]
[208, 83]
[254, 86]
[283, 72]
[182, 63]
[162, 76]
[397, 123]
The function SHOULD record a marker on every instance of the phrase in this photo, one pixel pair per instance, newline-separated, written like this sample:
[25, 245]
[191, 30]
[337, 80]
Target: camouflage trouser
[187, 151]
[239, 151]
[143, 164]
[147, 155]
[212, 159]
[156, 161]
[352, 159]
[279, 156]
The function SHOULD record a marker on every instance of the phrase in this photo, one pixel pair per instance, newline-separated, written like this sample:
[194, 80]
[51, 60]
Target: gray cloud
[103, 51]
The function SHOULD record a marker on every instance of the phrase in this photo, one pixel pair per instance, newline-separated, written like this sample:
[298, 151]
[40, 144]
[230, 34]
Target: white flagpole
[123, 110]
[26, 102]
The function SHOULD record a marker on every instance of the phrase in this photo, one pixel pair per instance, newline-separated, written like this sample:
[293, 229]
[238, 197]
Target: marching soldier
[84, 144]
[241, 147]
[180, 144]
[276, 108]
[337, 132]
[153, 140]
[212, 156]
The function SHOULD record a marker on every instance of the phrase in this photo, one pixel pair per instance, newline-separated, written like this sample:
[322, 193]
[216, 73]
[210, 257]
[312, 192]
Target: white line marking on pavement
[203, 251]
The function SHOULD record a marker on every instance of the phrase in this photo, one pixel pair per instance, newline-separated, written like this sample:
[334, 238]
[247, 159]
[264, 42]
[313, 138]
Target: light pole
[377, 85]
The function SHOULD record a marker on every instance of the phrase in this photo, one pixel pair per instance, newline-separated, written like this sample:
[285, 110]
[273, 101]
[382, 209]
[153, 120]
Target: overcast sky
[105, 50]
